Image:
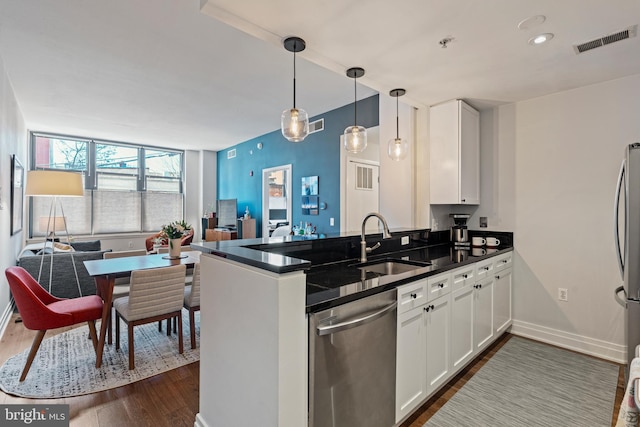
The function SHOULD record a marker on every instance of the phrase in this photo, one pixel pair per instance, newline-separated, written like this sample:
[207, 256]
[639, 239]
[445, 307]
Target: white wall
[13, 140]
[554, 163]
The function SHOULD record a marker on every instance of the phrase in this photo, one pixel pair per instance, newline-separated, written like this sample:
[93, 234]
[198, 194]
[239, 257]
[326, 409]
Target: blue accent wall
[318, 155]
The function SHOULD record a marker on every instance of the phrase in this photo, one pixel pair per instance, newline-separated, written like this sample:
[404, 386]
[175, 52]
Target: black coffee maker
[459, 232]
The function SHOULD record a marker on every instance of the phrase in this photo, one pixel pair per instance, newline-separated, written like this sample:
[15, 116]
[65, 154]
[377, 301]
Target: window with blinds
[128, 188]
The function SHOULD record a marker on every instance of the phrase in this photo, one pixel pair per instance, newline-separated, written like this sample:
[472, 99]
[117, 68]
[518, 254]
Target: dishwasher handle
[355, 322]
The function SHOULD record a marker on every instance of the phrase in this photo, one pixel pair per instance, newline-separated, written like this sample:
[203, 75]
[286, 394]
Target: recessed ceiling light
[531, 22]
[541, 38]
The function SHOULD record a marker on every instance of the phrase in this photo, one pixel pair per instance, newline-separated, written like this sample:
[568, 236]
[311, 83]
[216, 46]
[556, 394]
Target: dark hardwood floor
[171, 399]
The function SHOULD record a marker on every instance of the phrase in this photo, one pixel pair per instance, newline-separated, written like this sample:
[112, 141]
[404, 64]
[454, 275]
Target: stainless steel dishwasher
[352, 363]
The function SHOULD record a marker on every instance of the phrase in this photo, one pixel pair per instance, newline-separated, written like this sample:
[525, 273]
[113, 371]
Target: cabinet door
[483, 313]
[469, 155]
[461, 327]
[502, 300]
[444, 153]
[411, 350]
[438, 333]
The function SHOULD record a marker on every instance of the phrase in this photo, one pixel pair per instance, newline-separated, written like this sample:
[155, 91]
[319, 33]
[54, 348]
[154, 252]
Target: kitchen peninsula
[257, 295]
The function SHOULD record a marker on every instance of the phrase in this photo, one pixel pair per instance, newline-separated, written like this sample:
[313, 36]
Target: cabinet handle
[414, 296]
[429, 308]
[477, 286]
[464, 276]
[464, 200]
[497, 277]
[426, 309]
[487, 268]
[433, 307]
[441, 285]
[504, 261]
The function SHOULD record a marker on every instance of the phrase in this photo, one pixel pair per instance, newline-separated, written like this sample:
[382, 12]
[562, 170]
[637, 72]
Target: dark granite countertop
[333, 276]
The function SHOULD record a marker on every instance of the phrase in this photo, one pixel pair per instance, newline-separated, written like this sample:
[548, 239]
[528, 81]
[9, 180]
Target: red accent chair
[41, 311]
[186, 240]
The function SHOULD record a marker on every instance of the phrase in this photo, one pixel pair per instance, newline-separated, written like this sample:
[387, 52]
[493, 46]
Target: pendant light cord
[294, 78]
[355, 103]
[397, 121]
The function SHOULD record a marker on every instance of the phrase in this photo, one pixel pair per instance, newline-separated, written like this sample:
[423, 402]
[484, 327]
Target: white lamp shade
[51, 224]
[295, 124]
[398, 149]
[54, 183]
[355, 139]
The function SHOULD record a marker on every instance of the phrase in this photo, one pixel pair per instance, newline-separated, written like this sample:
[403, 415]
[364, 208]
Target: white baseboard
[5, 318]
[582, 344]
[200, 422]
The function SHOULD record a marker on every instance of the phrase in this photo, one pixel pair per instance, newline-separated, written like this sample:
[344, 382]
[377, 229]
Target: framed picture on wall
[309, 205]
[309, 185]
[17, 194]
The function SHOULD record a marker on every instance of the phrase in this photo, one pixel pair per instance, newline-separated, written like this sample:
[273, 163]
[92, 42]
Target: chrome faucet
[386, 234]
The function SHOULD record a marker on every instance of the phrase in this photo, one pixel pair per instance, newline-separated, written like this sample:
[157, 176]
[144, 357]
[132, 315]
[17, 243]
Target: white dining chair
[155, 294]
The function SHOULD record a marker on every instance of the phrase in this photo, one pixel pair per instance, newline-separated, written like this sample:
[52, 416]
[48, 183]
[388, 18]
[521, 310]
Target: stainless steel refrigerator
[627, 239]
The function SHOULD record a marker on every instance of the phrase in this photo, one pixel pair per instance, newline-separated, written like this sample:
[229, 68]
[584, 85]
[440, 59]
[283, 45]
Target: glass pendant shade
[398, 149]
[355, 139]
[295, 124]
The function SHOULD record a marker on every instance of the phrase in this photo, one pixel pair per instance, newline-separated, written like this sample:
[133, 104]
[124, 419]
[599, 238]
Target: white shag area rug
[65, 363]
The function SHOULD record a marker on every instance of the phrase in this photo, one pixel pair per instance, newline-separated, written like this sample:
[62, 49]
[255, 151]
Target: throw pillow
[93, 245]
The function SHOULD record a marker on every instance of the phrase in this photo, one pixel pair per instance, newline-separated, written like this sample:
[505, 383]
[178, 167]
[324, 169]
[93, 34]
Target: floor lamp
[56, 184]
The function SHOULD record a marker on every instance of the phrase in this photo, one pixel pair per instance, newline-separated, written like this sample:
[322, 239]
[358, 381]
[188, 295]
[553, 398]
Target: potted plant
[174, 231]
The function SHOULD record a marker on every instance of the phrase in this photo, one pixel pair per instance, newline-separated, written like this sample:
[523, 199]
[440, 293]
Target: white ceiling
[173, 73]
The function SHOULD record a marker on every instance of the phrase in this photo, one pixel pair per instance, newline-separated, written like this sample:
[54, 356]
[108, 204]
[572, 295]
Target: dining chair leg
[93, 334]
[109, 326]
[169, 327]
[32, 353]
[117, 331]
[131, 361]
[192, 327]
[159, 325]
[180, 342]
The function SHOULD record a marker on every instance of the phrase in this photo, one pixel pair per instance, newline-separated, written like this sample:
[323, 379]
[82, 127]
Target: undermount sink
[392, 266]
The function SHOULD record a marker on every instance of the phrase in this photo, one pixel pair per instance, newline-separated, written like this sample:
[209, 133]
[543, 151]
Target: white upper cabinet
[454, 154]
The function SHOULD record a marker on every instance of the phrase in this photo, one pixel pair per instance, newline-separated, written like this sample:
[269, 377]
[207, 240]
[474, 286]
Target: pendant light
[294, 122]
[398, 148]
[355, 137]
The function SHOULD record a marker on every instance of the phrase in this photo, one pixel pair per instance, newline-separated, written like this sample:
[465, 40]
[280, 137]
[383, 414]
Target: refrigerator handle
[616, 220]
[620, 301]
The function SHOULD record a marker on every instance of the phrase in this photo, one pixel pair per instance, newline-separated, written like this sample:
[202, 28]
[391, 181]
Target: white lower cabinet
[411, 356]
[502, 300]
[438, 321]
[483, 314]
[422, 356]
[462, 345]
[444, 322]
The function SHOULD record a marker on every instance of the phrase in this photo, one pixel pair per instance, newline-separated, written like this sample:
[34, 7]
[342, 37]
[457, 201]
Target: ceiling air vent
[605, 40]
[231, 154]
[316, 126]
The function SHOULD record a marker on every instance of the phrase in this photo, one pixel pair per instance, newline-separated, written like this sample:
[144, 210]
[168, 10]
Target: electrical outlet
[331, 222]
[563, 294]
[404, 240]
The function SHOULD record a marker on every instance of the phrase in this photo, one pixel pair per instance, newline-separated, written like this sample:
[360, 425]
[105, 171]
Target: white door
[362, 195]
